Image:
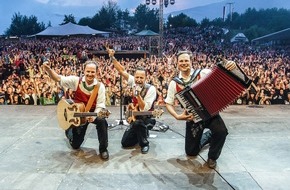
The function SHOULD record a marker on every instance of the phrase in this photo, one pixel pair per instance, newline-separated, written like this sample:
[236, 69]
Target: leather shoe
[105, 155]
[144, 149]
[211, 163]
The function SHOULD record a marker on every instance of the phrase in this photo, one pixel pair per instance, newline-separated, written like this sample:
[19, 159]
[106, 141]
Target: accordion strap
[192, 78]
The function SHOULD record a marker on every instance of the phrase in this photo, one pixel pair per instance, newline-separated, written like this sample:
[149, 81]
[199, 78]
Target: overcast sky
[54, 10]
[129, 4]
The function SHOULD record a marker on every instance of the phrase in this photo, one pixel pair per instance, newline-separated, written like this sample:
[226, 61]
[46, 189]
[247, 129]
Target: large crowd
[24, 82]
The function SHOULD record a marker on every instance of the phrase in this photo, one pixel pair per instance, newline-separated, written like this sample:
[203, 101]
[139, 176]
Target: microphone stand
[121, 121]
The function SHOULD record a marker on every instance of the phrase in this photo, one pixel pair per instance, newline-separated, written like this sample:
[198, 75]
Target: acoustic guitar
[133, 111]
[70, 113]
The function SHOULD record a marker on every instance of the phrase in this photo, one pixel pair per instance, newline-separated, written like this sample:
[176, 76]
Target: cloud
[42, 1]
[72, 2]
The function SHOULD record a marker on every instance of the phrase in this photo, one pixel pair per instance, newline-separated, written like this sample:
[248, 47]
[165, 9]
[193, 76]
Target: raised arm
[51, 73]
[120, 68]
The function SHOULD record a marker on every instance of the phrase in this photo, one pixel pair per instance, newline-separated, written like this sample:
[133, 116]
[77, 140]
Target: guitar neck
[85, 114]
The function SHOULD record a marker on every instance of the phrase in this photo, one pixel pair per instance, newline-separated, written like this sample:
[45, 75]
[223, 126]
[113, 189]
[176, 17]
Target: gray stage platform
[35, 155]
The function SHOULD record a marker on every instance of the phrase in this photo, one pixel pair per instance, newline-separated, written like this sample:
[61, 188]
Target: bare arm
[117, 64]
[183, 116]
[51, 73]
[170, 104]
[171, 110]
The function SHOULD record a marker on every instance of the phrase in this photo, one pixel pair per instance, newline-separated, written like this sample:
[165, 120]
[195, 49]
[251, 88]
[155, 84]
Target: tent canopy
[146, 33]
[69, 29]
[240, 37]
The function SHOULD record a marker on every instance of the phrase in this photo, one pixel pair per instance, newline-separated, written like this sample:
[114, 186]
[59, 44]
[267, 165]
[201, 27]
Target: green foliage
[86, 21]
[255, 32]
[272, 19]
[23, 25]
[68, 18]
[253, 23]
[146, 18]
[180, 20]
[218, 22]
[205, 23]
[106, 18]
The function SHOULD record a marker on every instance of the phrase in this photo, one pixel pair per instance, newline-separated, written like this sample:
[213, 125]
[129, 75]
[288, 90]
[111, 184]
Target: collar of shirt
[188, 78]
[94, 83]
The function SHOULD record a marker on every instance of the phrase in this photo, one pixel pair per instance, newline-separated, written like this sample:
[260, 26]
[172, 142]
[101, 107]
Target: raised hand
[111, 52]
[45, 66]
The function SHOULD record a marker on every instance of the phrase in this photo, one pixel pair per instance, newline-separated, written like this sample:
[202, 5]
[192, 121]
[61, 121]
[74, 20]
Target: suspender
[144, 90]
[192, 78]
[92, 97]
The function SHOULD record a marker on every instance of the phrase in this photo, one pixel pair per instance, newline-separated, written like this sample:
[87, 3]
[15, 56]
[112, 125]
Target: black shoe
[105, 155]
[211, 163]
[144, 149]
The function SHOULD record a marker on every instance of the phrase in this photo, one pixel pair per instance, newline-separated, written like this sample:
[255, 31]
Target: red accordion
[213, 93]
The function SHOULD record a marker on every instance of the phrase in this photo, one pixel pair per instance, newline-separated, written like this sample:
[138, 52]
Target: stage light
[147, 2]
[172, 2]
[165, 3]
[153, 2]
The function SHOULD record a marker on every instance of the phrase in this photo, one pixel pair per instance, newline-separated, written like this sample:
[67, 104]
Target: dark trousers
[193, 144]
[137, 133]
[76, 134]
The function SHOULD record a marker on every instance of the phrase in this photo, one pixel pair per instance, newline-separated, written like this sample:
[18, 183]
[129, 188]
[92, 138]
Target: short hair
[184, 52]
[90, 62]
[140, 68]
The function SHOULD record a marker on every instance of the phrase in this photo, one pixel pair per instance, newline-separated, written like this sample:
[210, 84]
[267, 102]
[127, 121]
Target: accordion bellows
[214, 92]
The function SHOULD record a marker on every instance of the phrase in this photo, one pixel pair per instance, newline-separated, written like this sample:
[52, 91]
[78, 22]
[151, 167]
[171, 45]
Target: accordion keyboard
[188, 106]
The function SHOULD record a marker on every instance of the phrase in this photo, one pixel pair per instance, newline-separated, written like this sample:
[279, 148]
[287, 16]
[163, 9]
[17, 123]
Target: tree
[106, 18]
[270, 20]
[68, 18]
[146, 17]
[218, 22]
[86, 21]
[254, 32]
[124, 20]
[181, 20]
[49, 24]
[23, 25]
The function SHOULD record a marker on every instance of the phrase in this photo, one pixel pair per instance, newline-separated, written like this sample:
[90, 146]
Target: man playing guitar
[84, 87]
[144, 96]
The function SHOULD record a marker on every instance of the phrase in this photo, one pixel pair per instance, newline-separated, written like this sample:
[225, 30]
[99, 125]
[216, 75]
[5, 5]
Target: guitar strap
[92, 97]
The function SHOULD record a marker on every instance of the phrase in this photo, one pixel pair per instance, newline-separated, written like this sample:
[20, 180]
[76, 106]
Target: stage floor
[35, 155]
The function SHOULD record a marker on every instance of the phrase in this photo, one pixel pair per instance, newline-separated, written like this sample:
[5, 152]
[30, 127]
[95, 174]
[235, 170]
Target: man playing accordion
[195, 136]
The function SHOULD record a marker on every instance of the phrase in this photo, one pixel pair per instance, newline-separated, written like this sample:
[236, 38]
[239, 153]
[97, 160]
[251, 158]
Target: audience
[24, 82]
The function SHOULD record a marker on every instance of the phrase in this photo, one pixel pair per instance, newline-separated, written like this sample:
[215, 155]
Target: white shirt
[150, 96]
[72, 82]
[172, 85]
